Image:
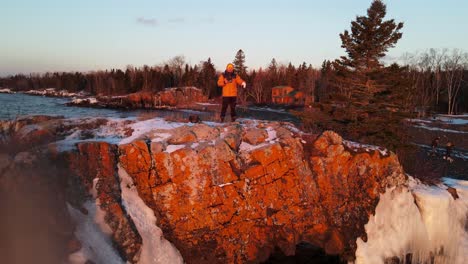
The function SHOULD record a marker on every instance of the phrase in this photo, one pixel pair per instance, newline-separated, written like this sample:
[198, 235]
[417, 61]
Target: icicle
[426, 222]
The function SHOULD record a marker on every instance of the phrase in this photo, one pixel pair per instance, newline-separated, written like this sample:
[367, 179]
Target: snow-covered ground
[441, 151]
[445, 119]
[268, 109]
[207, 104]
[455, 120]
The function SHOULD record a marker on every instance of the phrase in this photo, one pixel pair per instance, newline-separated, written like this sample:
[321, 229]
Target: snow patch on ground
[453, 120]
[441, 151]
[268, 109]
[207, 104]
[416, 120]
[192, 111]
[155, 249]
[440, 129]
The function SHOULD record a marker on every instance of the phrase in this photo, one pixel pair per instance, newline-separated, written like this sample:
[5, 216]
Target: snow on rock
[6, 90]
[271, 134]
[424, 221]
[94, 233]
[53, 92]
[161, 137]
[246, 147]
[144, 127]
[172, 148]
[357, 146]
[90, 100]
[96, 244]
[155, 248]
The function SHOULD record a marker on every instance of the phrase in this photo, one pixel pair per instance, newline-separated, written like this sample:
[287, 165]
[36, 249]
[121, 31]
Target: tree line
[174, 73]
[432, 81]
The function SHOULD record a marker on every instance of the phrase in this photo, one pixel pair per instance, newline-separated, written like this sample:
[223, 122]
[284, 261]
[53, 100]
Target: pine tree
[364, 94]
[358, 73]
[239, 64]
[207, 79]
[273, 67]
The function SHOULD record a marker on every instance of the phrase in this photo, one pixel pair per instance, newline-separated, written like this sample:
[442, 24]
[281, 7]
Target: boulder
[254, 136]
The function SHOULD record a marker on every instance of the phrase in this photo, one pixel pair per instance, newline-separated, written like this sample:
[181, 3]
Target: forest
[356, 91]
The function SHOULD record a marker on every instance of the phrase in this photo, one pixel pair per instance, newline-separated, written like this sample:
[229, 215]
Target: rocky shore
[220, 193]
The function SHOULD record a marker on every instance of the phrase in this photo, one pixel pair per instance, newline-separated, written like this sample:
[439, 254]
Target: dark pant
[229, 101]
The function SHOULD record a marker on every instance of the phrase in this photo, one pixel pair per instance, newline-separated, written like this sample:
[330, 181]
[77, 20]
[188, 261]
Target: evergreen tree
[239, 64]
[357, 91]
[207, 79]
[358, 73]
[273, 67]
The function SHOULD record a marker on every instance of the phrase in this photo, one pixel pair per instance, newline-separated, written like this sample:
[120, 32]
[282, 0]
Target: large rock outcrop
[180, 97]
[241, 202]
[236, 193]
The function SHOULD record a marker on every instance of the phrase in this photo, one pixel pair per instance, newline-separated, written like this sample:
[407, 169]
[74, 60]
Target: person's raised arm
[240, 82]
[221, 81]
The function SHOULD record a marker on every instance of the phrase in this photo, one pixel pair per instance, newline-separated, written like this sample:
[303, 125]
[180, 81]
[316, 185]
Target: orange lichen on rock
[240, 205]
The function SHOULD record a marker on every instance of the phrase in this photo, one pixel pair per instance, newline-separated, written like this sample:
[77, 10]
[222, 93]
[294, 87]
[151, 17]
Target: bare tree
[453, 65]
[176, 65]
[436, 58]
[257, 92]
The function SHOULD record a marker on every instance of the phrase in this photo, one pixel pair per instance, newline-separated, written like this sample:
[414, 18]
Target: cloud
[207, 20]
[152, 22]
[176, 20]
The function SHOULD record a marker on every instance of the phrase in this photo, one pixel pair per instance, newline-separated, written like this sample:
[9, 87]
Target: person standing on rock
[229, 81]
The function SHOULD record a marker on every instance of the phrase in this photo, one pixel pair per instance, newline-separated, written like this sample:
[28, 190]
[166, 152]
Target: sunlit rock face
[231, 193]
[258, 188]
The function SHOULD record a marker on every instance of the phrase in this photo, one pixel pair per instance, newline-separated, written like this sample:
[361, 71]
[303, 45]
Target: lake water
[14, 105]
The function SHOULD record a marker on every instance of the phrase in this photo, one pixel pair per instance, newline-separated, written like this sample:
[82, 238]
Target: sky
[86, 35]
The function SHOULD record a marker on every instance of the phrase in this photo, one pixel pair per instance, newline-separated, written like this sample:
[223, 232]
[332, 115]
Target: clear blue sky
[85, 35]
